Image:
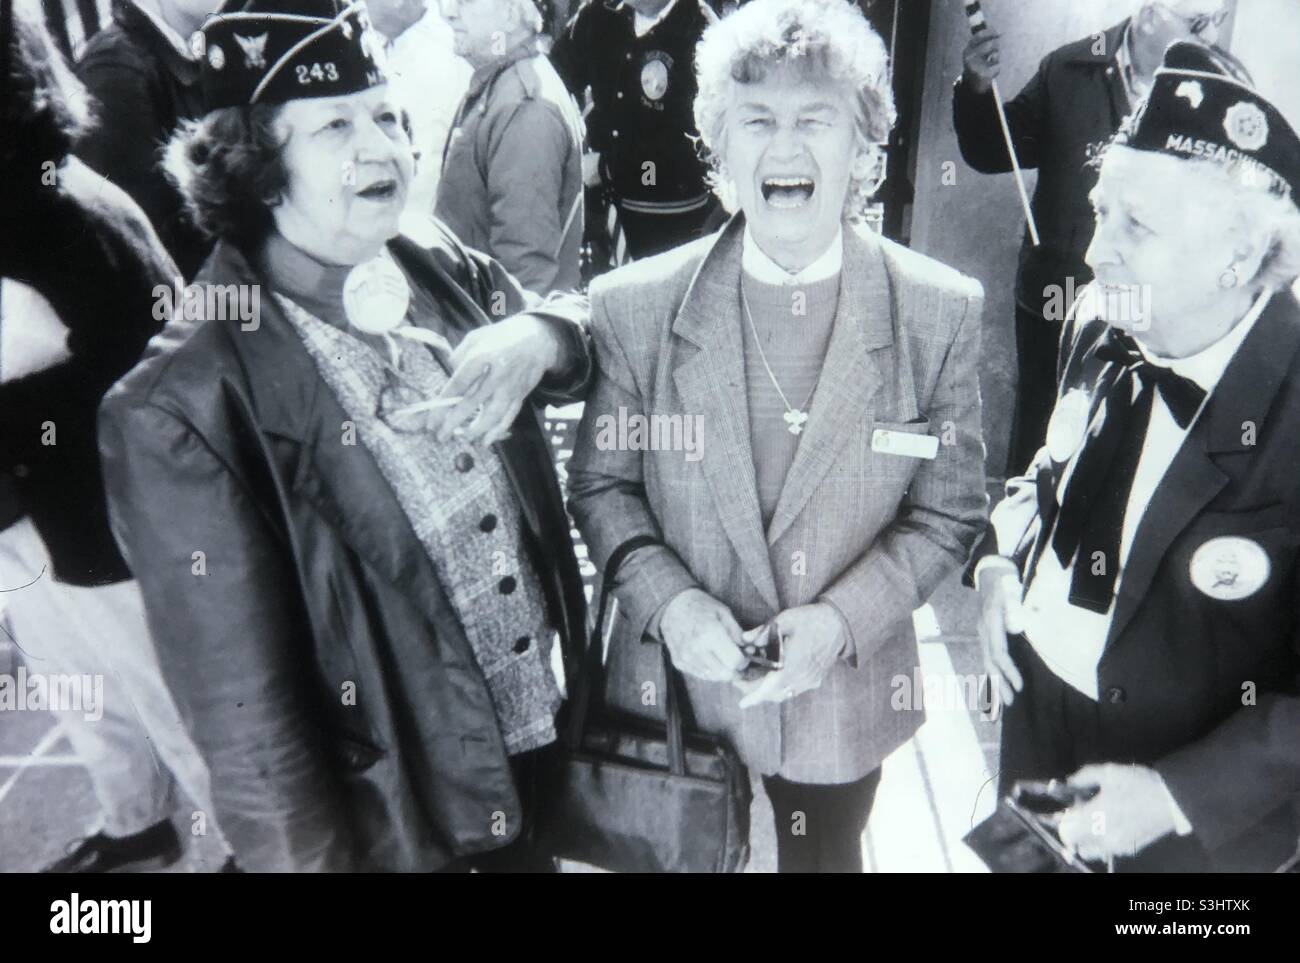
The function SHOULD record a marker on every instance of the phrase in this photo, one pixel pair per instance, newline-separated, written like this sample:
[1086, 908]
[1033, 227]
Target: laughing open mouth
[379, 191]
[788, 192]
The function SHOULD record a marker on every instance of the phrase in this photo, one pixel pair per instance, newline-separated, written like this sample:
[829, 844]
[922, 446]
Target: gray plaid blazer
[872, 532]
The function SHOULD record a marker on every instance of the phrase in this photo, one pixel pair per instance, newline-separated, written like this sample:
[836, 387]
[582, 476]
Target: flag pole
[978, 24]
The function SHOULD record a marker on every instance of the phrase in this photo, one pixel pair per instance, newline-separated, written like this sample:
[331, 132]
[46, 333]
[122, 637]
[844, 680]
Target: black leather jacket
[227, 442]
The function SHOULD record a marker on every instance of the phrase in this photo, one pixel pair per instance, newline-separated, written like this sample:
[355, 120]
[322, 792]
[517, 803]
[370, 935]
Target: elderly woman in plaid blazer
[833, 475]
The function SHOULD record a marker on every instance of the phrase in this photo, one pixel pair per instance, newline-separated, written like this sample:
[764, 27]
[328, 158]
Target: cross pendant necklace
[795, 418]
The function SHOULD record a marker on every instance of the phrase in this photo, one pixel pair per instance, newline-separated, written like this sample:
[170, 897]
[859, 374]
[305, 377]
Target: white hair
[825, 38]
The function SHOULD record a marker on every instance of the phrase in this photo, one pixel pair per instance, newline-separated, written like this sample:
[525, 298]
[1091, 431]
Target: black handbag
[633, 796]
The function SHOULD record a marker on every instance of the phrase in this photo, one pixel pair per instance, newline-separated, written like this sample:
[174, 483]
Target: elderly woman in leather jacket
[330, 478]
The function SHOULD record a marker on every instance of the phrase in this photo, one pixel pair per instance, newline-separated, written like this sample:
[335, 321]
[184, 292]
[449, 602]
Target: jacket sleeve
[500, 296]
[124, 145]
[526, 150]
[230, 634]
[1243, 769]
[570, 58]
[979, 132]
[607, 494]
[120, 253]
[939, 518]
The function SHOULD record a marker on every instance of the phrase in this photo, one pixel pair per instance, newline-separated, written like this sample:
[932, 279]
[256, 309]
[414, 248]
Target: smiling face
[350, 166]
[790, 150]
[1149, 235]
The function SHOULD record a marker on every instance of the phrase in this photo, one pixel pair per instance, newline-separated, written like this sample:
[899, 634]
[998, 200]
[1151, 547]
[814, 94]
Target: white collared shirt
[642, 25]
[762, 268]
[1070, 639]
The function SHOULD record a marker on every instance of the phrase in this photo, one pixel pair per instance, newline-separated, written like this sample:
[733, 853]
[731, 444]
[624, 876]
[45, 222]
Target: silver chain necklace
[795, 418]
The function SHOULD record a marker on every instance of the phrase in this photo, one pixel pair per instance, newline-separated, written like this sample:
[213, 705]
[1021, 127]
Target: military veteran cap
[273, 51]
[1197, 109]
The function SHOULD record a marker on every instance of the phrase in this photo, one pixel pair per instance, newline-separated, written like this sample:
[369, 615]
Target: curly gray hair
[825, 39]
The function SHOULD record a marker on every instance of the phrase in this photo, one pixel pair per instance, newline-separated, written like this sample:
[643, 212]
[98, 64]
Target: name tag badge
[905, 443]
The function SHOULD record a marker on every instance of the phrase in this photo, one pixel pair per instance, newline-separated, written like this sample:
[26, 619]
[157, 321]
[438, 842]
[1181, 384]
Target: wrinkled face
[1153, 243]
[350, 167]
[480, 27]
[393, 17]
[790, 148]
[1175, 19]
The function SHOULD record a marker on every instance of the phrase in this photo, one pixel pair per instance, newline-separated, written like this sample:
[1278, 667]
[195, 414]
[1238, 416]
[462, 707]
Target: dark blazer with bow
[1206, 691]
[872, 531]
[311, 649]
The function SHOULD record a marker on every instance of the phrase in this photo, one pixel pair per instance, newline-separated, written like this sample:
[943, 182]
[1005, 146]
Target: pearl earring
[1230, 278]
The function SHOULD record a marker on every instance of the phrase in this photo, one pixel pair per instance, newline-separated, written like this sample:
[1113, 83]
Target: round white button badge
[376, 296]
[1230, 567]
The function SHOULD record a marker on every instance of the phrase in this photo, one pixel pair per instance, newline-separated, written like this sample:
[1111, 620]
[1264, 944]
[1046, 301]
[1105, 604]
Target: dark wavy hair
[229, 167]
[44, 108]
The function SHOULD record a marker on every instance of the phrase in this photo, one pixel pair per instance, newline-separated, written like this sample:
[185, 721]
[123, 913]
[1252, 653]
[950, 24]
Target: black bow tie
[1182, 395]
[1090, 524]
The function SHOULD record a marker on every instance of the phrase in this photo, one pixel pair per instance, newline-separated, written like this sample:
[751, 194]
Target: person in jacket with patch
[343, 513]
[1074, 102]
[1139, 580]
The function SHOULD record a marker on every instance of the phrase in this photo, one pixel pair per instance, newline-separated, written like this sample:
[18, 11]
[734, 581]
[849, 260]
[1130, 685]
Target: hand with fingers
[815, 638]
[494, 370]
[983, 61]
[702, 637]
[1130, 810]
[999, 588]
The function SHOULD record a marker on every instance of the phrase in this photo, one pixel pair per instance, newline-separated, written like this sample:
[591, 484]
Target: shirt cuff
[989, 561]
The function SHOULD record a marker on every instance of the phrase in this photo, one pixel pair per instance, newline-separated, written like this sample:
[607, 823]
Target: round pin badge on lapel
[1068, 425]
[376, 296]
[1229, 568]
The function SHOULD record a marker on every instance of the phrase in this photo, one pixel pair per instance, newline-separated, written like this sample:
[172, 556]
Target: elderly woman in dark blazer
[836, 476]
[350, 538]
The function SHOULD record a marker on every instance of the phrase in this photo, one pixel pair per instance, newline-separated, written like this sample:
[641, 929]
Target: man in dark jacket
[512, 177]
[638, 59]
[143, 74]
[79, 276]
[1077, 99]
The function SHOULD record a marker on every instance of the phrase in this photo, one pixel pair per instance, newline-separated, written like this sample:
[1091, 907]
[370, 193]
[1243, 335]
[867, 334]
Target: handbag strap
[593, 663]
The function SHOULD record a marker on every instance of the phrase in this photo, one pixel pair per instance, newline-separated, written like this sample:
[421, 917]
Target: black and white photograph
[650, 437]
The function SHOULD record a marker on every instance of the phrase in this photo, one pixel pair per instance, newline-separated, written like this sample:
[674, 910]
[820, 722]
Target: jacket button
[464, 462]
[521, 644]
[1116, 695]
[620, 95]
[615, 134]
[21, 471]
[488, 523]
[506, 585]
